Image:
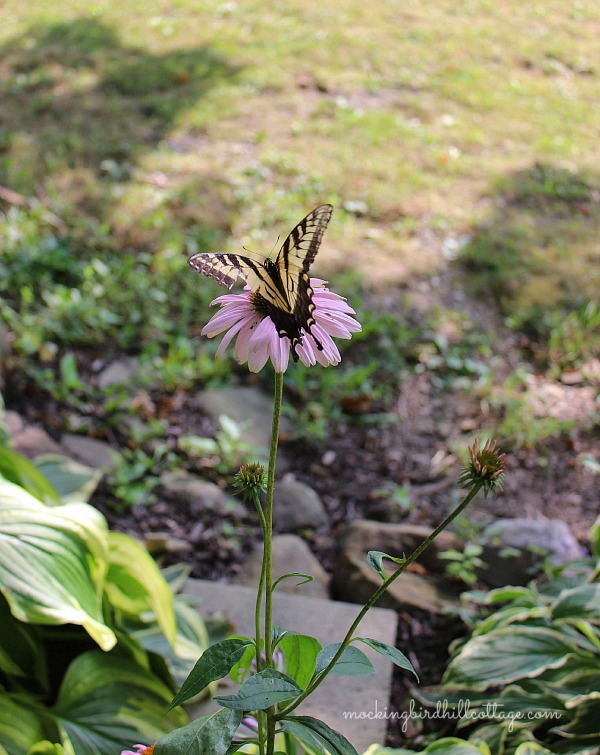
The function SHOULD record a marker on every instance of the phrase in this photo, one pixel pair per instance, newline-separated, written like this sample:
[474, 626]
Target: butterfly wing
[294, 260]
[282, 282]
[226, 268]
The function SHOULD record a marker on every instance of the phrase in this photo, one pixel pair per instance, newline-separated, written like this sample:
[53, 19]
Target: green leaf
[176, 575]
[509, 615]
[213, 664]
[300, 651]
[516, 699]
[240, 670]
[53, 562]
[30, 716]
[209, 734]
[375, 561]
[352, 662]
[46, 748]
[74, 482]
[379, 750]
[21, 651]
[523, 596]
[317, 734]
[505, 655]
[16, 468]
[261, 690]
[390, 652]
[134, 583]
[532, 748]
[191, 640]
[106, 701]
[305, 578]
[455, 746]
[582, 602]
[594, 537]
[585, 721]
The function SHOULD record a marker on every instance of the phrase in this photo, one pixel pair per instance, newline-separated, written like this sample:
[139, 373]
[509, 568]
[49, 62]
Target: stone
[296, 506]
[249, 408]
[95, 453]
[164, 542]
[13, 423]
[327, 621]
[290, 554]
[33, 441]
[353, 580]
[122, 370]
[364, 535]
[514, 549]
[200, 494]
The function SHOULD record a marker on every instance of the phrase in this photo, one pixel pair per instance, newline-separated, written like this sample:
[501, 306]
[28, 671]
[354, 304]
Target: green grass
[139, 133]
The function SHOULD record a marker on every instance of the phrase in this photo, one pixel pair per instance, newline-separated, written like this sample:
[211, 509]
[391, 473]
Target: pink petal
[227, 338]
[306, 353]
[280, 354]
[257, 358]
[263, 333]
[224, 319]
[242, 345]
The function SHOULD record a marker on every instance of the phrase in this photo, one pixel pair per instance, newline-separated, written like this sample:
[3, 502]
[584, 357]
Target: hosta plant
[91, 636]
[529, 673]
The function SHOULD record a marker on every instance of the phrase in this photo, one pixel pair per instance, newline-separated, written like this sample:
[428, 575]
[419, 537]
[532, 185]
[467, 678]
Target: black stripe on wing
[301, 246]
[224, 268]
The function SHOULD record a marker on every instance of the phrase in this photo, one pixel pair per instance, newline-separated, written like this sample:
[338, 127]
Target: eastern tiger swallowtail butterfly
[279, 282]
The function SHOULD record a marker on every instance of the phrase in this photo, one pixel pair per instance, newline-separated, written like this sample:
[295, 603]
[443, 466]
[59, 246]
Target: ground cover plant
[455, 144]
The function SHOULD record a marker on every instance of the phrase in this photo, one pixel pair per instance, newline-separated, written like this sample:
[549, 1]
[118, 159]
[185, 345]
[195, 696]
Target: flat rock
[95, 453]
[328, 622]
[13, 422]
[249, 408]
[33, 441]
[290, 554]
[122, 370]
[364, 535]
[355, 581]
[296, 507]
[528, 541]
[199, 494]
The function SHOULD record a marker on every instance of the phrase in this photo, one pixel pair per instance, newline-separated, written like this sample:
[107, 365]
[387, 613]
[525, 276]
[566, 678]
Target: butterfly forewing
[282, 279]
[301, 246]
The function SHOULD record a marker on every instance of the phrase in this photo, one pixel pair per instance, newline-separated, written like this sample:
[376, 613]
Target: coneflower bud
[484, 466]
[250, 481]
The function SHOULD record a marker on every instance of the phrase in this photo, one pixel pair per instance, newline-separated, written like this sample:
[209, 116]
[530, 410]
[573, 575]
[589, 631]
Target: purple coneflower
[257, 338]
[139, 750]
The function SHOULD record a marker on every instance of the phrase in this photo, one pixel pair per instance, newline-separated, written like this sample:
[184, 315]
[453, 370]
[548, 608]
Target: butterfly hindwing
[281, 281]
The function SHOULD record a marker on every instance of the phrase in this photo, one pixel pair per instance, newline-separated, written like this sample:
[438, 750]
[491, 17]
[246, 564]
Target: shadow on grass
[80, 109]
[537, 255]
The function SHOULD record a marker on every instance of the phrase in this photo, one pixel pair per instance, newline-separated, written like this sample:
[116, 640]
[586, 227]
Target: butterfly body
[279, 282]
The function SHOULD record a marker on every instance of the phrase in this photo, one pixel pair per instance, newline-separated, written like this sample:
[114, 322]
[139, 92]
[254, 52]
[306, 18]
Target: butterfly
[279, 282]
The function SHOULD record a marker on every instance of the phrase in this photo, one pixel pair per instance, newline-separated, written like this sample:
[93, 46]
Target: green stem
[267, 567]
[377, 594]
[260, 590]
[268, 546]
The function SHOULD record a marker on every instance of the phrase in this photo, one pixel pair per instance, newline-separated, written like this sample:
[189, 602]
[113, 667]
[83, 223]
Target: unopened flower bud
[250, 481]
[485, 466]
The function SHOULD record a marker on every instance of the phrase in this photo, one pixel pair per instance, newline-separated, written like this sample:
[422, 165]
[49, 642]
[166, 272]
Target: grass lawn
[452, 139]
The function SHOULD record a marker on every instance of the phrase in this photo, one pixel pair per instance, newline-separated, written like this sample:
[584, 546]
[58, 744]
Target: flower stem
[267, 566]
[377, 594]
[268, 545]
